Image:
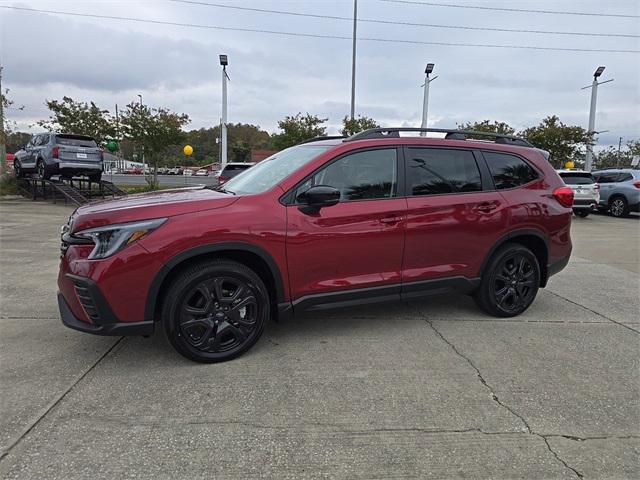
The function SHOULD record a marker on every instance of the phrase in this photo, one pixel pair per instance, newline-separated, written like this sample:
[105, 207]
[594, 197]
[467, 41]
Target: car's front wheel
[510, 281]
[619, 207]
[43, 171]
[215, 311]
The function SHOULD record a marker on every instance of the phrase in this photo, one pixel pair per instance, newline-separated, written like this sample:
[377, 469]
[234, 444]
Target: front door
[353, 249]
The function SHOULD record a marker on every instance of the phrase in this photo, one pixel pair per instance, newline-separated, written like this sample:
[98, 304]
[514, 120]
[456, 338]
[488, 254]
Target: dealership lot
[428, 389]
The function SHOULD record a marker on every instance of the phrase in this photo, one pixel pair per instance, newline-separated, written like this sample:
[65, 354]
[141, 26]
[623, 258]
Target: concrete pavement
[430, 389]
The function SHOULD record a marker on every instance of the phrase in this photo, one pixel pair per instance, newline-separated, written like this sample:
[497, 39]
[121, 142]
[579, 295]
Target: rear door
[356, 244]
[454, 216]
[606, 180]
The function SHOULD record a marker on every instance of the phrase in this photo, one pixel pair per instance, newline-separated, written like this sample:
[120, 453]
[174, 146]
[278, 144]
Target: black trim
[103, 315]
[120, 328]
[557, 266]
[384, 293]
[154, 288]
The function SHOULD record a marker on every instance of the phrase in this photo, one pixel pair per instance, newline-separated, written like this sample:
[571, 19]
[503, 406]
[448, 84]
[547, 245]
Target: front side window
[365, 175]
[433, 171]
[509, 171]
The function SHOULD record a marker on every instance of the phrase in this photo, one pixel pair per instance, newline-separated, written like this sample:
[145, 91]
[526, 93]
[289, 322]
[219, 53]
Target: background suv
[232, 169]
[619, 190]
[585, 190]
[63, 154]
[376, 217]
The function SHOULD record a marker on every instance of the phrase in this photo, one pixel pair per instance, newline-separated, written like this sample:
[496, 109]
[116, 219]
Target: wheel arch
[250, 255]
[534, 240]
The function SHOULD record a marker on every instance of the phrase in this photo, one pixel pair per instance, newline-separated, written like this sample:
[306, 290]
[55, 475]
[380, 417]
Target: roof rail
[322, 137]
[451, 134]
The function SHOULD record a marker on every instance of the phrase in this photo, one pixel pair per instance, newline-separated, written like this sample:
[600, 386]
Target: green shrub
[8, 185]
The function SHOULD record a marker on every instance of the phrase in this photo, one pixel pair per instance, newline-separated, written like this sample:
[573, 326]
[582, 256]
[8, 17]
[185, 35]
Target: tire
[215, 311]
[95, 177]
[17, 169]
[43, 171]
[510, 281]
[618, 207]
[581, 213]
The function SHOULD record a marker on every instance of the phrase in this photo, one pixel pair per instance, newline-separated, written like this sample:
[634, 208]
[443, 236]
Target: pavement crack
[495, 398]
[585, 439]
[13, 443]
[593, 311]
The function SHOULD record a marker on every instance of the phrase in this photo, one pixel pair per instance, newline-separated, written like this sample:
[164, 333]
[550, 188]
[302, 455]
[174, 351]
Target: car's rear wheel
[43, 171]
[618, 207]
[215, 311]
[510, 281]
[17, 169]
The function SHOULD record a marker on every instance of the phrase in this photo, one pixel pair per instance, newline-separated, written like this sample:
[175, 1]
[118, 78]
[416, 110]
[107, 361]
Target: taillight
[55, 152]
[596, 187]
[636, 184]
[222, 179]
[564, 195]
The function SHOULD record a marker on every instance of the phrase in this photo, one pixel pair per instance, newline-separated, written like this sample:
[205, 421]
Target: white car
[203, 172]
[187, 172]
[586, 192]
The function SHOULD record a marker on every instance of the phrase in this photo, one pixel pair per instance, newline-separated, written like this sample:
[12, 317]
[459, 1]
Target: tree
[298, 128]
[154, 130]
[69, 116]
[489, 127]
[240, 151]
[612, 157]
[563, 142]
[351, 127]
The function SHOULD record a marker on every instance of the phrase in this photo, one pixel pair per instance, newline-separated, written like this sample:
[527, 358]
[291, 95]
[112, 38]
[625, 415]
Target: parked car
[376, 217]
[586, 192]
[232, 169]
[162, 170]
[134, 171]
[203, 172]
[619, 190]
[175, 171]
[187, 172]
[64, 154]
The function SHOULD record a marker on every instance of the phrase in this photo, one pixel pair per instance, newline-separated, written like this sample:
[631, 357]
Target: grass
[144, 188]
[8, 185]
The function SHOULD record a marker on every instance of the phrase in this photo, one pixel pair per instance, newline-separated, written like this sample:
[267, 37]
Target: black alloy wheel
[215, 311]
[510, 282]
[618, 207]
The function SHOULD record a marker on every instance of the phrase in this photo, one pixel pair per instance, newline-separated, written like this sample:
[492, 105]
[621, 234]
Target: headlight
[111, 238]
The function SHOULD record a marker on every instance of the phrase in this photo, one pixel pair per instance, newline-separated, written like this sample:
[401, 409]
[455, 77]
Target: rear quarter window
[509, 171]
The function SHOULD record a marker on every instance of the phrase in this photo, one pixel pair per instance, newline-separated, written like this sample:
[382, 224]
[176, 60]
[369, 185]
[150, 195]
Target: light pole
[224, 61]
[3, 144]
[144, 165]
[425, 102]
[353, 60]
[588, 164]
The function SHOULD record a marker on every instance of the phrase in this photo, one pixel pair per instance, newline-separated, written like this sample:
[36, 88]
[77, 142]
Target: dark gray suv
[63, 154]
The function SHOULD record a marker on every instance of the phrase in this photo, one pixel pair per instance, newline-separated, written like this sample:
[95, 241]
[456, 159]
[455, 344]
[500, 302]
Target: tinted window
[432, 171]
[76, 141]
[606, 177]
[44, 139]
[360, 176]
[35, 141]
[575, 178]
[509, 171]
[624, 177]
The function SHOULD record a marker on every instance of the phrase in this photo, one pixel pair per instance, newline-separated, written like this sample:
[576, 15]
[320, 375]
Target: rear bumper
[585, 203]
[557, 266]
[112, 328]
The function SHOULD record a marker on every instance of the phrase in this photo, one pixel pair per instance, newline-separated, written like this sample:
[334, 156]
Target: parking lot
[429, 389]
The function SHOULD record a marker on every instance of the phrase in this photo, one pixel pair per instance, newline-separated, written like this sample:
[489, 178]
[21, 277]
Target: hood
[143, 206]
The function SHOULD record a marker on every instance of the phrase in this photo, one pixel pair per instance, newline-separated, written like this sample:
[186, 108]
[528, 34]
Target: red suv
[328, 223]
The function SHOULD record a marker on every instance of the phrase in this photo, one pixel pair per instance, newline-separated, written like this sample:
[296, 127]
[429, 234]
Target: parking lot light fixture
[598, 72]
[425, 102]
[588, 164]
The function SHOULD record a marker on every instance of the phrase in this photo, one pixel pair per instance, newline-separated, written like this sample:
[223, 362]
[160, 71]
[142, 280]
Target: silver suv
[619, 190]
[68, 155]
[586, 192]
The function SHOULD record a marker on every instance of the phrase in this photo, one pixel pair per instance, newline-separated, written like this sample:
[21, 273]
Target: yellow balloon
[188, 150]
[569, 165]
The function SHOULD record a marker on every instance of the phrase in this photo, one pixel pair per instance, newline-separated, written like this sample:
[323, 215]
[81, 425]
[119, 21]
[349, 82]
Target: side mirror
[319, 196]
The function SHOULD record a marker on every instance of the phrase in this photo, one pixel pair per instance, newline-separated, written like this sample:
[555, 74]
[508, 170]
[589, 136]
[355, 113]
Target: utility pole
[224, 61]
[3, 141]
[144, 165]
[588, 164]
[353, 60]
[619, 152]
[118, 163]
[425, 101]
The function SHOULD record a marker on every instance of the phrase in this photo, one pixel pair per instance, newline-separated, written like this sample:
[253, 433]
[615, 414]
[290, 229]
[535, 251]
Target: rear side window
[624, 177]
[76, 141]
[433, 171]
[607, 177]
[509, 171]
[575, 178]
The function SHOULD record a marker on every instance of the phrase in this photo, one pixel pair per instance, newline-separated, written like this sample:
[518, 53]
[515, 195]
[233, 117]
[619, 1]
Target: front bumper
[111, 328]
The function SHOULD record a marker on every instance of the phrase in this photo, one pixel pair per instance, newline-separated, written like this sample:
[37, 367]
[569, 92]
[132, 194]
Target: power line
[410, 24]
[312, 35]
[505, 9]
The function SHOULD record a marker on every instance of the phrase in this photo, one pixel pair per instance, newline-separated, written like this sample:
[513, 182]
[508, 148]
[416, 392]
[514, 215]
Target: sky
[49, 55]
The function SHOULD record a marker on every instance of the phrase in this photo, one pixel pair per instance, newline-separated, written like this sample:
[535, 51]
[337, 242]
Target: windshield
[75, 141]
[272, 170]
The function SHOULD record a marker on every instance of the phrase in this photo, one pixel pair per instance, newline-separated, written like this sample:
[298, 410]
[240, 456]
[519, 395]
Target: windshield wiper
[223, 190]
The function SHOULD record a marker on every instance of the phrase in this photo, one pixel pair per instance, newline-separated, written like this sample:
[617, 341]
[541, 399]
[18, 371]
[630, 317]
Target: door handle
[487, 207]
[390, 220]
